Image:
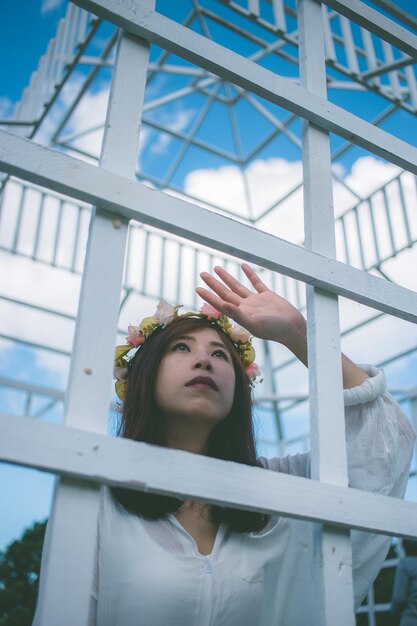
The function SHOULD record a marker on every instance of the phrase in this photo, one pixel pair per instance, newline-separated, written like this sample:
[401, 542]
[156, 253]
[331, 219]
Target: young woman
[187, 385]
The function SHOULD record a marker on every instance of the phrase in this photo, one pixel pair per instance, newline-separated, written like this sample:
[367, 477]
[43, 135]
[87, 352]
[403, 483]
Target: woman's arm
[267, 315]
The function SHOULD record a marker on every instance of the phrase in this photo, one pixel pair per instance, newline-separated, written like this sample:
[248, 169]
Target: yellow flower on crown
[148, 325]
[247, 353]
[166, 314]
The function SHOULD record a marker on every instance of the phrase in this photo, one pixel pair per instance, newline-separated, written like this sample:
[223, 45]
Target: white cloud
[176, 120]
[48, 6]
[223, 187]
[268, 180]
[6, 106]
[38, 284]
[90, 112]
[368, 174]
[57, 112]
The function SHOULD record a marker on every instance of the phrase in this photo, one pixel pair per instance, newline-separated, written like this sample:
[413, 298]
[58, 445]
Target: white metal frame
[85, 459]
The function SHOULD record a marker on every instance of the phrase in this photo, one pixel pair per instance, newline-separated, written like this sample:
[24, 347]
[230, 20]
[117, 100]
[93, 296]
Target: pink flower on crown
[210, 311]
[135, 337]
[252, 371]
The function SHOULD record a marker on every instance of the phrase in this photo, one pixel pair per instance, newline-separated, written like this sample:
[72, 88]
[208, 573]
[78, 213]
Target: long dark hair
[232, 439]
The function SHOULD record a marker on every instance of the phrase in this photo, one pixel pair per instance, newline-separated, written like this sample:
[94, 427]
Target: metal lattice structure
[201, 70]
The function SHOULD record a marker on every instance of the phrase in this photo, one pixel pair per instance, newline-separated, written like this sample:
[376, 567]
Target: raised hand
[262, 312]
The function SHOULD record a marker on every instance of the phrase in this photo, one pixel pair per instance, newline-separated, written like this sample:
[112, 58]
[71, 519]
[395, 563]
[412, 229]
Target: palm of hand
[263, 313]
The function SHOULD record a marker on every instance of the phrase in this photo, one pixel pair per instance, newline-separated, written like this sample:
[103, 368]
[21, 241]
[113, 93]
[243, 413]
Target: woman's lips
[202, 380]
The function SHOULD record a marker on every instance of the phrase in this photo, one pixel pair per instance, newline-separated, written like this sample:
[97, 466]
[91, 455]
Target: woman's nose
[203, 362]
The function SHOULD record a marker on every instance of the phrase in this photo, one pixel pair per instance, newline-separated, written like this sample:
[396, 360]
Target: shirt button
[207, 567]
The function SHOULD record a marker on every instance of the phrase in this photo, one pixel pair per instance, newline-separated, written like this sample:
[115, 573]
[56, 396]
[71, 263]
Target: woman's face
[196, 377]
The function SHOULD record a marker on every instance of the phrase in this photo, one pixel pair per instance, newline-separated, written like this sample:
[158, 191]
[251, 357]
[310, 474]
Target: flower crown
[166, 314]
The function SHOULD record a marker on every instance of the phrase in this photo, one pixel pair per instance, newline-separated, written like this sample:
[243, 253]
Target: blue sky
[25, 27]
[25, 30]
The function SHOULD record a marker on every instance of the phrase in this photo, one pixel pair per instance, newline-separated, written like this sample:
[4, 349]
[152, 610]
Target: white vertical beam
[70, 558]
[279, 15]
[349, 45]
[370, 54]
[328, 447]
[371, 607]
[414, 415]
[392, 76]
[411, 81]
[253, 7]
[328, 36]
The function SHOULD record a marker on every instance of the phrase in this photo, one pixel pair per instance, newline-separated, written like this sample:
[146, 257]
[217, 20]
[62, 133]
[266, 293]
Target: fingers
[211, 298]
[223, 292]
[254, 279]
[233, 292]
[229, 309]
[232, 282]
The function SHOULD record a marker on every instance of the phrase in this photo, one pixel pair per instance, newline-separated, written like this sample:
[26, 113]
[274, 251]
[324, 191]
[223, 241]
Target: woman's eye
[222, 354]
[181, 347]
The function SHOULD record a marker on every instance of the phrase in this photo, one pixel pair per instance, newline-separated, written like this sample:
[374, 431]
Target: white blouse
[151, 573]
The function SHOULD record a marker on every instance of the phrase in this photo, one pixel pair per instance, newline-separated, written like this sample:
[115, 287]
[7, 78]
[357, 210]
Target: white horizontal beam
[231, 66]
[401, 14]
[31, 389]
[98, 458]
[60, 172]
[376, 23]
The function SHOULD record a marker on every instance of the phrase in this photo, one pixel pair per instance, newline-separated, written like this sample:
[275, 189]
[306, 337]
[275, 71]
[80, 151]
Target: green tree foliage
[19, 577]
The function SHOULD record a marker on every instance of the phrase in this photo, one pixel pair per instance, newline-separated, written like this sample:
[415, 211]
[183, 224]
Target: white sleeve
[379, 438]
[380, 442]
[295, 464]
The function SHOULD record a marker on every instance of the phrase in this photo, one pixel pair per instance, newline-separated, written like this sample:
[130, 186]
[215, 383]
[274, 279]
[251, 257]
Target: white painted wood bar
[231, 66]
[376, 23]
[93, 457]
[132, 200]
[325, 383]
[327, 424]
[73, 523]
